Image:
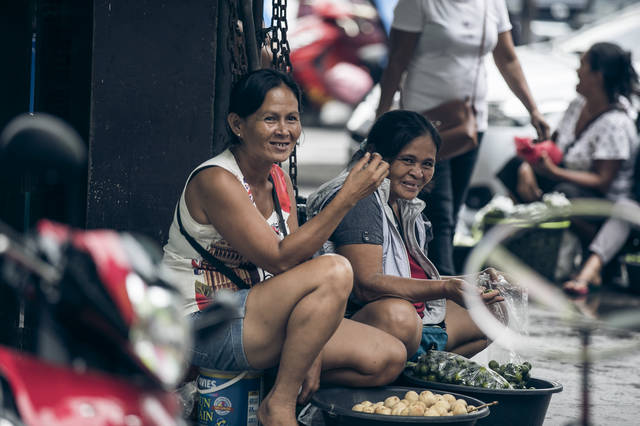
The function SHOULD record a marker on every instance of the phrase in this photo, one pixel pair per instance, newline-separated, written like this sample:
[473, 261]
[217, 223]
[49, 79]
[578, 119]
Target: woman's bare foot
[588, 277]
[277, 413]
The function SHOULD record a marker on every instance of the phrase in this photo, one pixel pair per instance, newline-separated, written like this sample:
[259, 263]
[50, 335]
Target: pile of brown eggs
[426, 403]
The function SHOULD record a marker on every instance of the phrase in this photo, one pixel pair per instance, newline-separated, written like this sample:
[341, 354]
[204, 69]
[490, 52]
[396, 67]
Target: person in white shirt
[437, 43]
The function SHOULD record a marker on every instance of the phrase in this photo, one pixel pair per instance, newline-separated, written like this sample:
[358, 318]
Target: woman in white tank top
[239, 206]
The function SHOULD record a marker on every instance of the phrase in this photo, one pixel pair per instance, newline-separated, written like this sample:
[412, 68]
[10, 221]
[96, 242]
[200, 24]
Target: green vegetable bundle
[447, 367]
[516, 374]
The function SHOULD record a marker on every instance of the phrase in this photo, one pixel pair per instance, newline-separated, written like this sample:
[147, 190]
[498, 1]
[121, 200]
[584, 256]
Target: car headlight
[160, 334]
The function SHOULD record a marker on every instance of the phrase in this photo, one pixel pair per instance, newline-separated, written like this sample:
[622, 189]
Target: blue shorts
[220, 347]
[434, 336]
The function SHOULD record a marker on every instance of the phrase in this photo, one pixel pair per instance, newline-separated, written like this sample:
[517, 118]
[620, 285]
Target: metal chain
[280, 61]
[279, 43]
[236, 46]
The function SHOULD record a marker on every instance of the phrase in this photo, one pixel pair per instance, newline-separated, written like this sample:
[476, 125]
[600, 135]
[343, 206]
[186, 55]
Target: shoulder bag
[456, 119]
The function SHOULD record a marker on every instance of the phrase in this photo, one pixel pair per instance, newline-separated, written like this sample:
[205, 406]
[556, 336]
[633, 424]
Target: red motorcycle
[103, 339]
[337, 52]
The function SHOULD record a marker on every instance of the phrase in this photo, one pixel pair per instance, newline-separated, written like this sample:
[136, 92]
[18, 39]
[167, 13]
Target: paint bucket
[228, 398]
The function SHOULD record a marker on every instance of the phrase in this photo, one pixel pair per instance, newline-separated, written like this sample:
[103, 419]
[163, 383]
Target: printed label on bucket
[252, 408]
[235, 403]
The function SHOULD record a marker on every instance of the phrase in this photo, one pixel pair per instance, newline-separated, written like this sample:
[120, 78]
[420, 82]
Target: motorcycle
[103, 339]
[337, 52]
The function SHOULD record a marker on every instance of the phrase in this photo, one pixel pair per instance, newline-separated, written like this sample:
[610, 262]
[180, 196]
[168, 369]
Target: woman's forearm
[401, 47]
[508, 64]
[308, 239]
[414, 290]
[585, 179]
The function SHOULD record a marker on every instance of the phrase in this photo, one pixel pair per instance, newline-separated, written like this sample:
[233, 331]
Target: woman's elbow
[361, 292]
[603, 185]
[278, 267]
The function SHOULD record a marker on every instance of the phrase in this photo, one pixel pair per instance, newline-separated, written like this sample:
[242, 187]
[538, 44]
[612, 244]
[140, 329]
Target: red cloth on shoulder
[280, 182]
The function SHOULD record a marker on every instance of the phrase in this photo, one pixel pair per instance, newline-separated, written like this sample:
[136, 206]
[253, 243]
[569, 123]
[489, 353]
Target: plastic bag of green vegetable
[517, 375]
[447, 367]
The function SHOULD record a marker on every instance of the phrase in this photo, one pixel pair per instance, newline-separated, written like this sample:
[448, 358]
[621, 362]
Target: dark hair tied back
[619, 76]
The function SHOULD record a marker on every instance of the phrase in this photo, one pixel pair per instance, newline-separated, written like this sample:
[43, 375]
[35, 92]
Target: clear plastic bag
[447, 367]
[513, 313]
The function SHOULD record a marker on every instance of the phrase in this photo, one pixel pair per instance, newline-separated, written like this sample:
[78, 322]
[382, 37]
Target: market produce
[516, 374]
[426, 403]
[447, 367]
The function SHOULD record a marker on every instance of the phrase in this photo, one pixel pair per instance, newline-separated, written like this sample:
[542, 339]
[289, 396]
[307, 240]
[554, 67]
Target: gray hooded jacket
[395, 260]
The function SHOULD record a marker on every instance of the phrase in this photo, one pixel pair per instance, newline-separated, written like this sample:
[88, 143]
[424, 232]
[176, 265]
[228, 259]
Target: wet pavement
[613, 383]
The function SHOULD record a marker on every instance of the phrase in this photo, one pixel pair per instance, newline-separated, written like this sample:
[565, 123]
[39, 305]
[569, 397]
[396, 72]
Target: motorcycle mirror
[42, 144]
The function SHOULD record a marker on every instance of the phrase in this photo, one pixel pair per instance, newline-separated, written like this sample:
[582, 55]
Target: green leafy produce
[447, 367]
[516, 374]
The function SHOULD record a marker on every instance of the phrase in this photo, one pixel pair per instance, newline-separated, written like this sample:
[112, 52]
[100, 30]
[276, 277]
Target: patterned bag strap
[219, 265]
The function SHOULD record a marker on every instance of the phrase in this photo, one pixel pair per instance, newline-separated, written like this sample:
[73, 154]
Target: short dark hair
[394, 130]
[249, 92]
[616, 67]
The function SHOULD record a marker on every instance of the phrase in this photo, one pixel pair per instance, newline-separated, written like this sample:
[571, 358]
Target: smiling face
[273, 130]
[412, 168]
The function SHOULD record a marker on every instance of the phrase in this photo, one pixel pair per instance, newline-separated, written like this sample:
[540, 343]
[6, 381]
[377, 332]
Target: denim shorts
[220, 347]
[434, 337]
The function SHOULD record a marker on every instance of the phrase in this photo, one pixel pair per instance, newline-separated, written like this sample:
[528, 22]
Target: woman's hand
[541, 126]
[527, 187]
[455, 288]
[545, 166]
[365, 177]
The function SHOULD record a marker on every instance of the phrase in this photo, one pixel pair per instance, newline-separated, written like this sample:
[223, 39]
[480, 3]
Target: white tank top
[196, 278]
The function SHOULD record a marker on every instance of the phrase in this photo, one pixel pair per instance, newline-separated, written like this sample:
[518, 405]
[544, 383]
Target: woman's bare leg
[289, 319]
[361, 355]
[395, 316]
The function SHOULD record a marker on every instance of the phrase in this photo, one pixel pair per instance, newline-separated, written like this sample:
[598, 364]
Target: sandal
[578, 287]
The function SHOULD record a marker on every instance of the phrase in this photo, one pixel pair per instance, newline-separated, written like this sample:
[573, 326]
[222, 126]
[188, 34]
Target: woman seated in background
[596, 134]
[237, 211]
[600, 142]
[396, 288]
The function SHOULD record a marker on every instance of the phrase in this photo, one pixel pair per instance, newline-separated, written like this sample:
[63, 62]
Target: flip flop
[580, 287]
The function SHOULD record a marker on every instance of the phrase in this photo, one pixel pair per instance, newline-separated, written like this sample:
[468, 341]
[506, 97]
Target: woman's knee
[335, 274]
[402, 320]
[389, 363]
[383, 364]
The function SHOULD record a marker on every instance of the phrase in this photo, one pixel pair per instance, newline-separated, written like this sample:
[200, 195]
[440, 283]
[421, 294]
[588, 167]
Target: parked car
[552, 18]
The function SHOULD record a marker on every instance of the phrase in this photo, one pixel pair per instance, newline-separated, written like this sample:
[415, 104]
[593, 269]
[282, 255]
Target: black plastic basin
[336, 403]
[521, 407]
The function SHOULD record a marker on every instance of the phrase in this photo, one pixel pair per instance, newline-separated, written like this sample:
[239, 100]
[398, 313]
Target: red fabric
[531, 152]
[281, 188]
[110, 260]
[418, 273]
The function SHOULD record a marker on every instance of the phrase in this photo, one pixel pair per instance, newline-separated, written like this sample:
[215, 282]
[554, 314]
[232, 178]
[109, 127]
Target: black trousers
[444, 200]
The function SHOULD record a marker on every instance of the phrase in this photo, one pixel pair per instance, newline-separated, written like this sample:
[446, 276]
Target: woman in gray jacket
[396, 288]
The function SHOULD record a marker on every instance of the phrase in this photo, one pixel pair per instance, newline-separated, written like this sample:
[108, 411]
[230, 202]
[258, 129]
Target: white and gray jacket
[395, 260]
